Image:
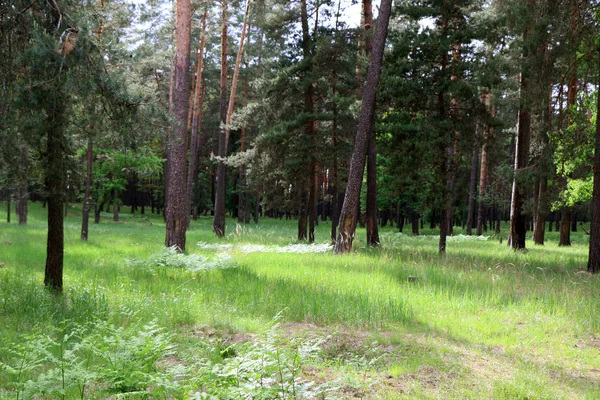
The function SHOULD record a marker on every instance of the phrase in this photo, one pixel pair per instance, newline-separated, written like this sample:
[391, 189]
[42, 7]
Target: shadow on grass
[248, 293]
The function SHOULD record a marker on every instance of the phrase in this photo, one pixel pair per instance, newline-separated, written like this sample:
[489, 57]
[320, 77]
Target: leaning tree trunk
[219, 221]
[593, 265]
[85, 214]
[348, 214]
[177, 151]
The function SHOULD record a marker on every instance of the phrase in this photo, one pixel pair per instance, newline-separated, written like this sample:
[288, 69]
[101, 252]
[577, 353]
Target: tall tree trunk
[565, 227]
[371, 218]
[219, 221]
[55, 186]
[85, 214]
[483, 172]
[196, 124]
[473, 187]
[348, 215]
[541, 206]
[414, 221]
[257, 205]
[8, 203]
[371, 214]
[593, 265]
[177, 153]
[115, 204]
[23, 192]
[169, 135]
[445, 155]
[219, 203]
[307, 203]
[518, 220]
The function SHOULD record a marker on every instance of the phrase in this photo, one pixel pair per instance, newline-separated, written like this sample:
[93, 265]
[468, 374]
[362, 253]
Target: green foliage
[65, 363]
[171, 258]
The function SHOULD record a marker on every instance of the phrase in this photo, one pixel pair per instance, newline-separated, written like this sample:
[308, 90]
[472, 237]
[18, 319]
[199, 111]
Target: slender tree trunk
[518, 220]
[257, 205]
[334, 172]
[593, 265]
[565, 229]
[115, 204]
[219, 208]
[483, 173]
[23, 205]
[540, 221]
[8, 202]
[85, 215]
[541, 208]
[472, 188]
[196, 124]
[348, 215]
[219, 221]
[166, 168]
[307, 202]
[371, 214]
[371, 217]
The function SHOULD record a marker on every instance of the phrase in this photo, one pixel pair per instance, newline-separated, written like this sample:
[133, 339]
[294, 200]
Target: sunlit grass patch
[400, 321]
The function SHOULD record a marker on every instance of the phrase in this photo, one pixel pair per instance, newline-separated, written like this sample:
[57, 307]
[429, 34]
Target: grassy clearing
[397, 322]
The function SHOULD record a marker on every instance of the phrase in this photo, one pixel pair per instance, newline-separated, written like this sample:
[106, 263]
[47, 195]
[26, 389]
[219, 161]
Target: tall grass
[539, 307]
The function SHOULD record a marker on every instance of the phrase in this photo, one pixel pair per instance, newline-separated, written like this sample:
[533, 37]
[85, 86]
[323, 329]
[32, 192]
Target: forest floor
[257, 315]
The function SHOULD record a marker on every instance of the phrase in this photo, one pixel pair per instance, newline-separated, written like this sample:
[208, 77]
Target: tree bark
[565, 227]
[518, 221]
[23, 193]
[55, 186]
[219, 208]
[177, 150]
[196, 124]
[8, 202]
[115, 204]
[348, 215]
[483, 174]
[85, 214]
[472, 187]
[371, 214]
[414, 221]
[593, 265]
[371, 218]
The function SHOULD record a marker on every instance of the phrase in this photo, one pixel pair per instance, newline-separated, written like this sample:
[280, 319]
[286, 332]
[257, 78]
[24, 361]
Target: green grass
[396, 322]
